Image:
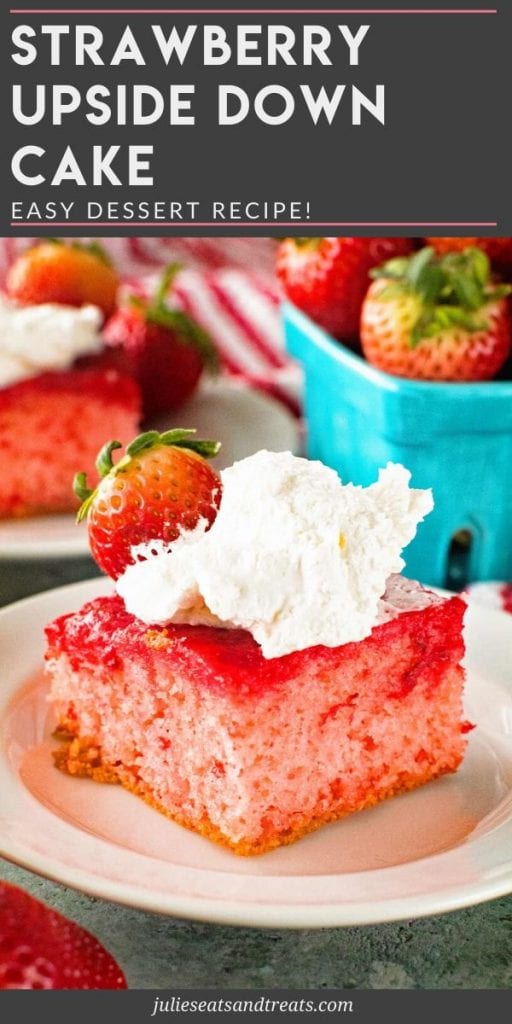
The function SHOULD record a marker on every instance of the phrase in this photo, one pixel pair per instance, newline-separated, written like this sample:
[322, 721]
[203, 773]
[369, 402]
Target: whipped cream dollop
[293, 556]
[45, 337]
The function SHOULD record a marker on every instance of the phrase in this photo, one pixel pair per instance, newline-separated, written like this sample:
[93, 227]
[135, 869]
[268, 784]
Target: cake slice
[255, 752]
[60, 392]
[52, 423]
[262, 668]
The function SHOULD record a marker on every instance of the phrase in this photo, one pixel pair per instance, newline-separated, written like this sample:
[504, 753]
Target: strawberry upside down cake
[262, 668]
[58, 395]
[67, 378]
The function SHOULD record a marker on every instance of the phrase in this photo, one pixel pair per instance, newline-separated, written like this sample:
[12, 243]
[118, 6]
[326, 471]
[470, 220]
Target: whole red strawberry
[499, 250]
[164, 349]
[162, 486]
[72, 275]
[41, 949]
[437, 318]
[328, 277]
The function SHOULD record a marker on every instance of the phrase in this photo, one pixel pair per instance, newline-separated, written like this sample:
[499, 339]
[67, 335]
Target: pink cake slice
[52, 426]
[250, 752]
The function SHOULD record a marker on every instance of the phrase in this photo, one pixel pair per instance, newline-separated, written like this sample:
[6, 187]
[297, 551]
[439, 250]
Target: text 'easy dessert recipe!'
[262, 667]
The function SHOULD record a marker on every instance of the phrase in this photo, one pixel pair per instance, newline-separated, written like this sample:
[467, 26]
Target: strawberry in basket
[499, 250]
[328, 277]
[437, 317]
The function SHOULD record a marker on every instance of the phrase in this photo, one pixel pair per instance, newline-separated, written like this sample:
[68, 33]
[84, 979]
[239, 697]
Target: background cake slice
[52, 425]
[256, 752]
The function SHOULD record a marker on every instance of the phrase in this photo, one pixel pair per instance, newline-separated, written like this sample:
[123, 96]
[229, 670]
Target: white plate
[243, 419]
[445, 846]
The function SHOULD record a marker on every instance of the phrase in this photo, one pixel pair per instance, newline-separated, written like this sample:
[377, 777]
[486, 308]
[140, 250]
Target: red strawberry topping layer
[104, 633]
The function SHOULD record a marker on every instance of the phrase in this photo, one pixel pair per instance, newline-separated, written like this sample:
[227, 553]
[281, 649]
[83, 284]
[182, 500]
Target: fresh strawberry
[506, 597]
[164, 348]
[72, 275]
[162, 486]
[328, 277]
[437, 317]
[41, 949]
[499, 250]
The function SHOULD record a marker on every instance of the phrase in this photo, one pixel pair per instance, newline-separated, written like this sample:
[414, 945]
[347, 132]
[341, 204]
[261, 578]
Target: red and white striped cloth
[228, 286]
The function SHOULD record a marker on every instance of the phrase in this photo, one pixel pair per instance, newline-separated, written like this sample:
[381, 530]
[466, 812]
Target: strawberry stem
[147, 440]
[80, 487]
[307, 243]
[177, 438]
[104, 461]
[84, 494]
[158, 312]
[183, 439]
[453, 289]
[164, 285]
[95, 249]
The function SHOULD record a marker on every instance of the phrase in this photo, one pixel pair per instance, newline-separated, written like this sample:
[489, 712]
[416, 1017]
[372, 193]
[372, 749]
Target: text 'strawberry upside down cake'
[262, 668]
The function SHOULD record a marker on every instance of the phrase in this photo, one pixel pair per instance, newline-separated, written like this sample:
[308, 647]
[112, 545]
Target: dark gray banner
[340, 119]
[277, 1005]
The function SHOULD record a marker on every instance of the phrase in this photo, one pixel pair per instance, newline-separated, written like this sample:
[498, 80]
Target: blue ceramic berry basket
[454, 438]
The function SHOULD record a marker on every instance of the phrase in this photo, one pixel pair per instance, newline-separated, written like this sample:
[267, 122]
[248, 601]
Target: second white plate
[244, 421]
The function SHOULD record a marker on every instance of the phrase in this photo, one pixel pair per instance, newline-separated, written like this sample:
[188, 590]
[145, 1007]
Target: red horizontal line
[253, 224]
[254, 10]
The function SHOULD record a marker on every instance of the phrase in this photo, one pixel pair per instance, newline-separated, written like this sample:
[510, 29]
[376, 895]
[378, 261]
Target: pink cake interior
[252, 752]
[52, 426]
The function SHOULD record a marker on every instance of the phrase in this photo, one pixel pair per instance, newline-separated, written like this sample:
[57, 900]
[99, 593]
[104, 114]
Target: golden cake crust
[81, 757]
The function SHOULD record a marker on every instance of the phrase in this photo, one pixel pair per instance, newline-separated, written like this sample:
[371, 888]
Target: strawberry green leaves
[453, 289]
[434, 320]
[177, 438]
[157, 311]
